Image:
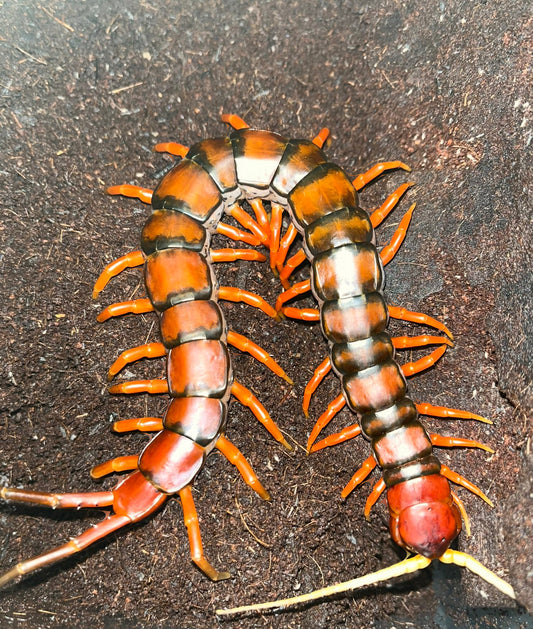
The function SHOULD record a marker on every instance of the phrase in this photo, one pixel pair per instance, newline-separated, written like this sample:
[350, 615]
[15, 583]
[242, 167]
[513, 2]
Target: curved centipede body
[347, 281]
[187, 207]
[347, 278]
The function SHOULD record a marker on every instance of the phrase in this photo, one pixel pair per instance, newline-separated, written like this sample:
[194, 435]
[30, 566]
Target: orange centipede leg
[260, 214]
[289, 267]
[376, 171]
[365, 469]
[130, 260]
[137, 306]
[237, 234]
[244, 219]
[246, 345]
[374, 496]
[294, 291]
[321, 137]
[457, 442]
[134, 192]
[403, 314]
[52, 500]
[350, 432]
[448, 413]
[190, 517]
[319, 374]
[461, 480]
[75, 545]
[389, 251]
[248, 399]
[234, 121]
[144, 424]
[334, 407]
[284, 245]
[154, 387]
[149, 350]
[231, 293]
[302, 314]
[379, 215]
[409, 369]
[408, 342]
[229, 255]
[276, 219]
[173, 148]
[235, 457]
[118, 464]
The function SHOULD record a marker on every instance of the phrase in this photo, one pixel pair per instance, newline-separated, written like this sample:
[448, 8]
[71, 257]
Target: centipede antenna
[467, 561]
[407, 566]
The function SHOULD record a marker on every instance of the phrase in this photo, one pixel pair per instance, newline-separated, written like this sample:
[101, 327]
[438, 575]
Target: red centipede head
[424, 518]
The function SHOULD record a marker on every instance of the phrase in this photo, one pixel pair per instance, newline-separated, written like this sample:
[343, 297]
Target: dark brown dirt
[87, 89]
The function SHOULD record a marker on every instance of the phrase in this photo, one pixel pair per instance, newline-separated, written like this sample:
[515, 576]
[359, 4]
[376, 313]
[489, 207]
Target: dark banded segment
[176, 275]
[191, 321]
[167, 229]
[358, 355]
[201, 419]
[374, 388]
[257, 156]
[346, 272]
[343, 227]
[188, 188]
[324, 190]
[376, 423]
[406, 443]
[425, 466]
[216, 157]
[299, 159]
[354, 319]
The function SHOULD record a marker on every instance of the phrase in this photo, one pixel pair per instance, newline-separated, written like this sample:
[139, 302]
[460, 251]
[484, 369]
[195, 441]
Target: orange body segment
[189, 189]
[325, 190]
[198, 369]
[176, 275]
[171, 461]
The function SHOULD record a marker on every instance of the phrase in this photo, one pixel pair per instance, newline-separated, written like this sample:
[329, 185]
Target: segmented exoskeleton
[347, 280]
[347, 277]
[178, 262]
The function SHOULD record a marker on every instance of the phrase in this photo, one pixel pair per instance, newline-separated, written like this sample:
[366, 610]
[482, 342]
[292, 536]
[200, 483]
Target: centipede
[207, 181]
[294, 176]
[346, 280]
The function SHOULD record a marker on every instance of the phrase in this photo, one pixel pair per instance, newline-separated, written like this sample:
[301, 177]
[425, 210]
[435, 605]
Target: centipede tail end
[408, 566]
